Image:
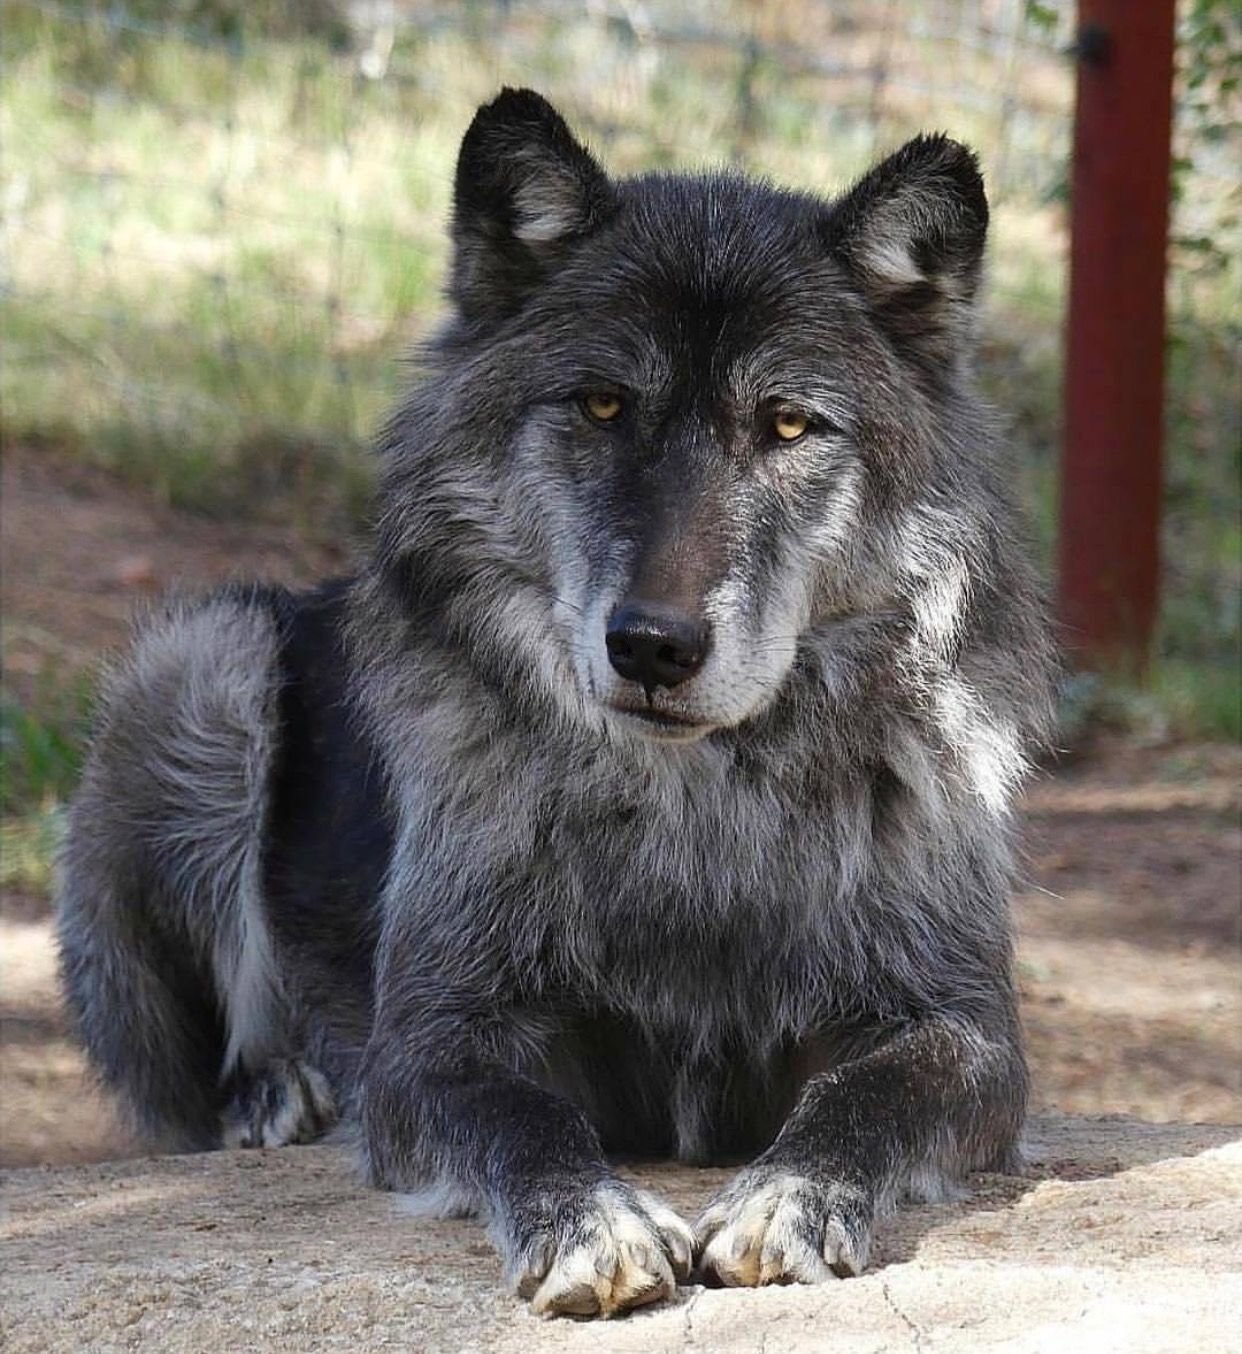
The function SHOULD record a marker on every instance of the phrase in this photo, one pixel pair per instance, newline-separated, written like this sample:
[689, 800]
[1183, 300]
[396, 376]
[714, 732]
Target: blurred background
[223, 222]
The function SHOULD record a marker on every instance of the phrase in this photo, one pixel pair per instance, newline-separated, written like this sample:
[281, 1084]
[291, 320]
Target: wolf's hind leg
[287, 1102]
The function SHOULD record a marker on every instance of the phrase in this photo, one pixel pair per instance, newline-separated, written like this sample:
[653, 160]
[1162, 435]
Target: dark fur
[407, 850]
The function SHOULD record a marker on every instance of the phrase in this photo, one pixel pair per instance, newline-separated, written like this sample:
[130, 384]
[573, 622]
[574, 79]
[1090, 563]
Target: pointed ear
[525, 190]
[911, 233]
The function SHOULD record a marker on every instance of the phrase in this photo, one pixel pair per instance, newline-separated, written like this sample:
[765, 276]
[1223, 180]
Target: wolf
[647, 789]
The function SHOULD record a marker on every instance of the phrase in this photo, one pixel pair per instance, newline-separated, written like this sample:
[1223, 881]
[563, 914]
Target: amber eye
[789, 424]
[602, 406]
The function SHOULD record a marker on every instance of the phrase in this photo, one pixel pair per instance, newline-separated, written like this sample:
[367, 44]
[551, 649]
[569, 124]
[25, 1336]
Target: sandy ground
[1129, 922]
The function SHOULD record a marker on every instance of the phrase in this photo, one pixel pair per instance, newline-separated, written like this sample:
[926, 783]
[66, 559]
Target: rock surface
[1123, 1236]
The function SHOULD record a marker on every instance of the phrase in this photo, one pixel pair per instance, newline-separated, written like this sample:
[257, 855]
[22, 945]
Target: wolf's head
[679, 426]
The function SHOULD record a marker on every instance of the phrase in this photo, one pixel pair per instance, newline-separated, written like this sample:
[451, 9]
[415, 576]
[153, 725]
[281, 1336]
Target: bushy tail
[142, 1008]
[165, 957]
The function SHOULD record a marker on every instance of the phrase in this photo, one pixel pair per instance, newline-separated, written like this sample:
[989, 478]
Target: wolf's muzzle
[655, 646]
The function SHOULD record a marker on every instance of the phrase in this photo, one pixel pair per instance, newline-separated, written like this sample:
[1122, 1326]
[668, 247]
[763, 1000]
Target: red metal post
[1109, 547]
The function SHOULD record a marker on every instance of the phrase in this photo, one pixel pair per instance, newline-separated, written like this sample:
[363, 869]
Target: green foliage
[41, 747]
[1040, 16]
[40, 750]
[1207, 134]
[1174, 700]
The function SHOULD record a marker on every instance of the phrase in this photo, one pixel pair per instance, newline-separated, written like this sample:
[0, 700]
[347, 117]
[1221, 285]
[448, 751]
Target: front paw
[773, 1226]
[600, 1253]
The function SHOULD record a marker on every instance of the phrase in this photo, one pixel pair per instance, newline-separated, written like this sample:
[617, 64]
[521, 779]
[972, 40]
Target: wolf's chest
[720, 913]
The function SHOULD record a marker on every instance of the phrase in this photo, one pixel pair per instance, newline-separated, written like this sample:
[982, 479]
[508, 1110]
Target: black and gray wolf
[647, 790]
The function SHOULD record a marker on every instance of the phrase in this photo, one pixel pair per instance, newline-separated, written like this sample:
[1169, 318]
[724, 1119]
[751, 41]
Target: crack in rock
[688, 1331]
[901, 1315]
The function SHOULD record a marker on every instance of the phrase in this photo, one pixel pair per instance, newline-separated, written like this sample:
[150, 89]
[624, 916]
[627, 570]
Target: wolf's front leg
[574, 1238]
[939, 1099]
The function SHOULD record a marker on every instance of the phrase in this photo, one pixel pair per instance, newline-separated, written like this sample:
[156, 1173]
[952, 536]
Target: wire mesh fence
[222, 223]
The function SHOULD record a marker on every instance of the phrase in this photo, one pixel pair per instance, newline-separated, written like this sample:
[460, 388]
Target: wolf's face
[705, 399]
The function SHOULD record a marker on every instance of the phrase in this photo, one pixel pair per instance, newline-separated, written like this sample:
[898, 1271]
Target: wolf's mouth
[664, 724]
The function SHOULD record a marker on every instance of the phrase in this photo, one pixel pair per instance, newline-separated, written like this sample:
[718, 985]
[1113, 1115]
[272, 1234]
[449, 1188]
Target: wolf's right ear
[525, 190]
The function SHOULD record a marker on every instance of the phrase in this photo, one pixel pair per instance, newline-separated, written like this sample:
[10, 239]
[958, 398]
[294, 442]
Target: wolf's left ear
[911, 233]
[525, 190]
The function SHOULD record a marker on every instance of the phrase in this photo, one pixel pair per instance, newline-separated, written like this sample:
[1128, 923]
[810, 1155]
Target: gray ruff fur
[776, 922]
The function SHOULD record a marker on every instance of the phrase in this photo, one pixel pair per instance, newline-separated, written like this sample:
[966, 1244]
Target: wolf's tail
[143, 1010]
[165, 958]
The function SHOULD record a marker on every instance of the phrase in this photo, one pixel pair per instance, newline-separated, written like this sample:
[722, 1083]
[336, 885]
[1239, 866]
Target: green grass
[219, 237]
[219, 241]
[191, 290]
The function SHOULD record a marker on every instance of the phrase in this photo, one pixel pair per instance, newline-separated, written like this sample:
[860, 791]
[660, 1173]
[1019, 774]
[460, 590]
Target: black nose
[655, 647]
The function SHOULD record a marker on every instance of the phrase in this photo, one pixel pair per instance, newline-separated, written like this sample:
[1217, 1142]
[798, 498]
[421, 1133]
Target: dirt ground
[1129, 920]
